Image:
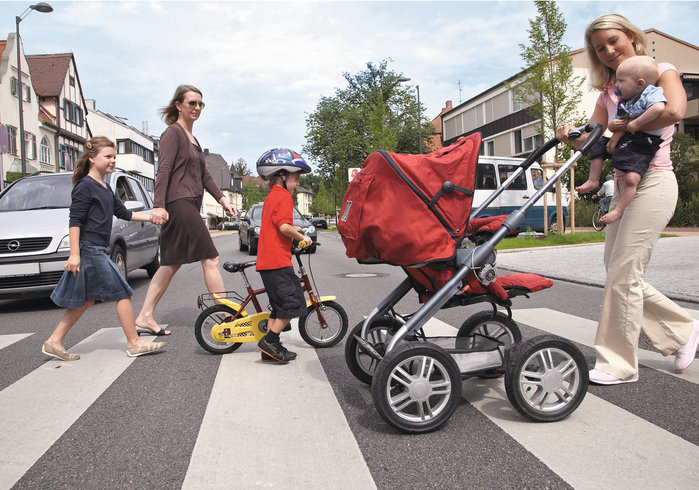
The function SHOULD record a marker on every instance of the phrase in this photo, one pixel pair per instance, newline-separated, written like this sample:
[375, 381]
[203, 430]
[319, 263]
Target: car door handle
[525, 197]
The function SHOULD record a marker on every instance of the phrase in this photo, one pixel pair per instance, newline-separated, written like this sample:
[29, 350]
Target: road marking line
[290, 421]
[37, 409]
[10, 339]
[598, 446]
[582, 330]
[588, 448]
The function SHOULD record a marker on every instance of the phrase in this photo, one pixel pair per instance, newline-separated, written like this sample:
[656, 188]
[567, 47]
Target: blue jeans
[604, 203]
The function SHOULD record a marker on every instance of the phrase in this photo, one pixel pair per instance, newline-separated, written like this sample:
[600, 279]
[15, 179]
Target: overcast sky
[263, 66]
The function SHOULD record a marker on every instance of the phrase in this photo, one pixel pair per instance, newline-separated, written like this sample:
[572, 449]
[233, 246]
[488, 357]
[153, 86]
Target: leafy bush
[584, 209]
[686, 212]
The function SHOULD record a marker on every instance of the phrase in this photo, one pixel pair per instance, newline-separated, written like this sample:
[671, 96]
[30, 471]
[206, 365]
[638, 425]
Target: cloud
[263, 66]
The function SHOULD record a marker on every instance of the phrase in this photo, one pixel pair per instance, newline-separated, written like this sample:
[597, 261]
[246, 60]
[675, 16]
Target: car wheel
[153, 267]
[119, 258]
[253, 246]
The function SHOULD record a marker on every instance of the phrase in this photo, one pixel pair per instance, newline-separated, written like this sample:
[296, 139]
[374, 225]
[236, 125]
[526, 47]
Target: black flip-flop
[159, 333]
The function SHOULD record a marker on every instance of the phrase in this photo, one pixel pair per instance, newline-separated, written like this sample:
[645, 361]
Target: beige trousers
[629, 302]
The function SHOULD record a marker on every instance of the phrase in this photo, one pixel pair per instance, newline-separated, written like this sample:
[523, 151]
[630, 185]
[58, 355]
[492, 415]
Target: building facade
[507, 129]
[62, 107]
[136, 151]
[39, 151]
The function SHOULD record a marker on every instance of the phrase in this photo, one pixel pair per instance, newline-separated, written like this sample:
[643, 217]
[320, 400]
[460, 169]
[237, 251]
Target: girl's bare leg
[70, 317]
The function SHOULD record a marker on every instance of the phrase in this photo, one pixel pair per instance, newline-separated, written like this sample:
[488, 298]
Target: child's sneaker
[275, 351]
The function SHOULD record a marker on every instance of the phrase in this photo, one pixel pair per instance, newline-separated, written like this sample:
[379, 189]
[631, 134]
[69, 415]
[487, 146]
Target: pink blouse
[661, 160]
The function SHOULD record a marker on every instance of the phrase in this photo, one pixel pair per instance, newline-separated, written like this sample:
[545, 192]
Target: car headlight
[65, 244]
[257, 230]
[310, 229]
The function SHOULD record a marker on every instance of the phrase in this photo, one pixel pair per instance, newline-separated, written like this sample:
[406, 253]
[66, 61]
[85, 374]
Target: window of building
[26, 92]
[72, 112]
[692, 88]
[485, 177]
[516, 105]
[71, 80]
[133, 148]
[526, 145]
[45, 149]
[12, 140]
[491, 148]
[30, 145]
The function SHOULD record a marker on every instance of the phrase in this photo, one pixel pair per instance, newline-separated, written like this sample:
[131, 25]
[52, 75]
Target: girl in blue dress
[89, 274]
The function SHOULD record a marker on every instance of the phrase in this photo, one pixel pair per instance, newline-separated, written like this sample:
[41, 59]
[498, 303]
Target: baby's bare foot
[587, 187]
[611, 216]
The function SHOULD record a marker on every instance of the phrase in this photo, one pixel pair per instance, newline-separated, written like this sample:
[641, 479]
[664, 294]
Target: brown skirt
[184, 238]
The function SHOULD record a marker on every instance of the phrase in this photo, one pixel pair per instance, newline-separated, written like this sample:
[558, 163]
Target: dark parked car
[320, 222]
[229, 225]
[34, 244]
[249, 231]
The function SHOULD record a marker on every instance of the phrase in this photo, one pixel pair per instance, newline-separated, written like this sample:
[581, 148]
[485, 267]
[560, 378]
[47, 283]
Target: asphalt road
[186, 418]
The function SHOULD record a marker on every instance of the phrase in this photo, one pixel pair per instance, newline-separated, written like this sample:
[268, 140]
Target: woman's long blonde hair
[92, 147]
[601, 75]
[170, 112]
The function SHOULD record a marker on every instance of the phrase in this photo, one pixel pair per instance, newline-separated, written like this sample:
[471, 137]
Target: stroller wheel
[417, 387]
[498, 326]
[359, 362]
[546, 378]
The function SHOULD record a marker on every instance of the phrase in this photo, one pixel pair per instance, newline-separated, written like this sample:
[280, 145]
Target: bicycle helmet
[279, 160]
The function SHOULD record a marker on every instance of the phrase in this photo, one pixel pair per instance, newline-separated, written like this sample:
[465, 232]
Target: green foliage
[253, 193]
[374, 111]
[584, 209]
[686, 212]
[241, 167]
[12, 176]
[548, 87]
[684, 152]
[321, 202]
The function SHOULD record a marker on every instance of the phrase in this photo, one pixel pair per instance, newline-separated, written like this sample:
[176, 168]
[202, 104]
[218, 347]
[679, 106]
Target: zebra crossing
[619, 448]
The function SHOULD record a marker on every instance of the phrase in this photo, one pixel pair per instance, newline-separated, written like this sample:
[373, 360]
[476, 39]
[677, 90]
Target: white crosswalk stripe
[292, 417]
[600, 434]
[36, 410]
[9, 339]
[313, 427]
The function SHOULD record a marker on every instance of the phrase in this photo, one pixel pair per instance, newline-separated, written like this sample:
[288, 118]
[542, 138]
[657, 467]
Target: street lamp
[419, 119]
[39, 7]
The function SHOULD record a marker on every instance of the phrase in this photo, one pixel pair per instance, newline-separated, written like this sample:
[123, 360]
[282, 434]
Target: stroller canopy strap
[410, 209]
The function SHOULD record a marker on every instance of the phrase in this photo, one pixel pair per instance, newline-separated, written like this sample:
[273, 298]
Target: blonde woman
[630, 304]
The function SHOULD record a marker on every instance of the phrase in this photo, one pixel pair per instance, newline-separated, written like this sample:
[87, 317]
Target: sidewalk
[673, 269]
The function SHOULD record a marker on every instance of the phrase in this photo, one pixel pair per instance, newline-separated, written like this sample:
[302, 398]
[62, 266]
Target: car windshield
[38, 193]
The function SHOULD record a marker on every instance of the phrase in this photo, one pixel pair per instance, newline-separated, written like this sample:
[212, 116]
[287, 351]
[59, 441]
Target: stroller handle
[536, 155]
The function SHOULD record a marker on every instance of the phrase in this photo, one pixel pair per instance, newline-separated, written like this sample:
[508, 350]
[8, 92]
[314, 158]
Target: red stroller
[416, 380]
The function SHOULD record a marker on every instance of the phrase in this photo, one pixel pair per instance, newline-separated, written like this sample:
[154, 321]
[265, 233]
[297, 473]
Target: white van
[493, 171]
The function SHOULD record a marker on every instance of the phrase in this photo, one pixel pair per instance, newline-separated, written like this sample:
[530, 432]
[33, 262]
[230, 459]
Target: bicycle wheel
[211, 316]
[359, 362]
[596, 223]
[318, 335]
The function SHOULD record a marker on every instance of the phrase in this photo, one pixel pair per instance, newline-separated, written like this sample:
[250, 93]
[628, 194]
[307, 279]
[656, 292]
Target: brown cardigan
[182, 170]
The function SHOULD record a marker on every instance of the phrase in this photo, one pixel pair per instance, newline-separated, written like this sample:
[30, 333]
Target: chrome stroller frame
[416, 382]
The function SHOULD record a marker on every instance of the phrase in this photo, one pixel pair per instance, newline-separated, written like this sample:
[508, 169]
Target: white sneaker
[685, 355]
[602, 378]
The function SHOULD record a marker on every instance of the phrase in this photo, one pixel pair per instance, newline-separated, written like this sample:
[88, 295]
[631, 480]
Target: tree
[253, 193]
[374, 111]
[321, 202]
[548, 87]
[241, 167]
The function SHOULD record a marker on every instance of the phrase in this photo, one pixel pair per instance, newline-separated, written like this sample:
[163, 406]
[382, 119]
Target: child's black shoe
[275, 351]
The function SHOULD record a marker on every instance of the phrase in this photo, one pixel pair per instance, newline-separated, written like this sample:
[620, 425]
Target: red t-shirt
[274, 248]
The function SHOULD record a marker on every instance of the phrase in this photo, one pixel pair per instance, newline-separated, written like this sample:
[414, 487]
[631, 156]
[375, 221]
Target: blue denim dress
[98, 279]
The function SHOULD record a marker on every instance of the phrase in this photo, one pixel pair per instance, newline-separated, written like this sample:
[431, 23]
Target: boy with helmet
[283, 168]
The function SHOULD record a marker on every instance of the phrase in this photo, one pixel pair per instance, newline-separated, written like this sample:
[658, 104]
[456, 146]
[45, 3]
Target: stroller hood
[410, 209]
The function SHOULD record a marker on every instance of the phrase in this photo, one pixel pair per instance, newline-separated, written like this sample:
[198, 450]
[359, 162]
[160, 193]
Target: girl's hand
[159, 216]
[73, 264]
[616, 125]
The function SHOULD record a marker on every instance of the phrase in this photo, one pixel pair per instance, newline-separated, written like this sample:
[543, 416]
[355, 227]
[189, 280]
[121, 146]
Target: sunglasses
[193, 104]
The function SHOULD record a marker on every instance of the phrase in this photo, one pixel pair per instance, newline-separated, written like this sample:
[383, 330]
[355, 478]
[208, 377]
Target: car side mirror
[134, 206]
[245, 218]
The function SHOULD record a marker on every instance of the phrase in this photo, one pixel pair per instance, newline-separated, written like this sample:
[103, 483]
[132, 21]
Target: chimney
[206, 152]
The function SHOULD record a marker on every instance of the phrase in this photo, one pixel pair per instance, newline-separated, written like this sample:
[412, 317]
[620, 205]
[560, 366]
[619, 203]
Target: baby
[631, 150]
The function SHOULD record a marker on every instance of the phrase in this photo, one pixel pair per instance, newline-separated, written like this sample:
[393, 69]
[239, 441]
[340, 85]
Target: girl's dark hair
[91, 149]
[170, 113]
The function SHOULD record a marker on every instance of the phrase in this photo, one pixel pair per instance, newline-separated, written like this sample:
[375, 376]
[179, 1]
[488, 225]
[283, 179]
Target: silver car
[34, 244]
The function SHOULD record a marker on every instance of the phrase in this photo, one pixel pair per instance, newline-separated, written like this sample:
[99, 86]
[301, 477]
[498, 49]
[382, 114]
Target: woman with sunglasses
[179, 191]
